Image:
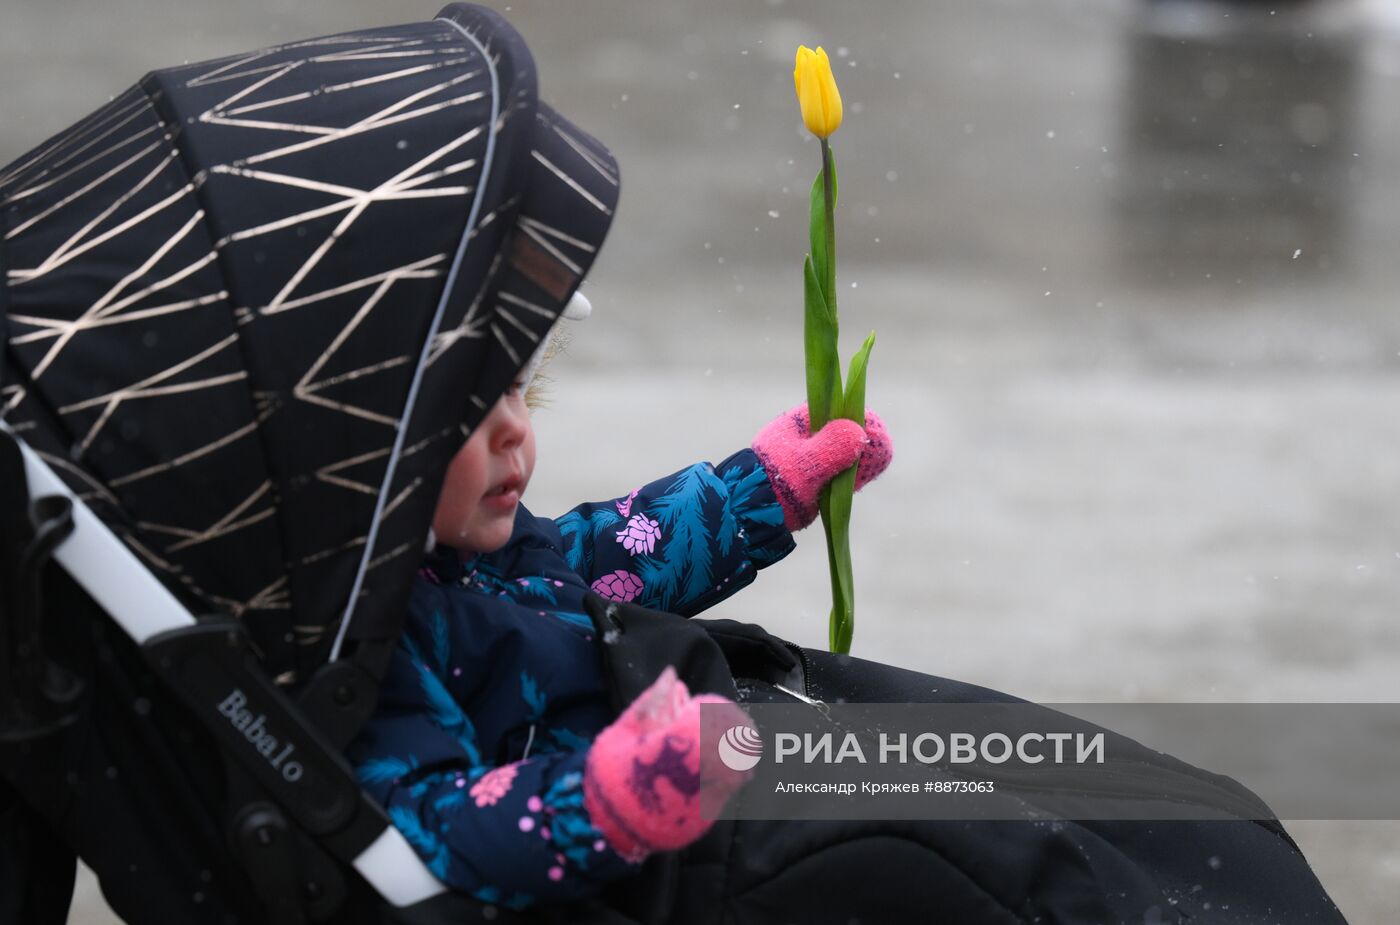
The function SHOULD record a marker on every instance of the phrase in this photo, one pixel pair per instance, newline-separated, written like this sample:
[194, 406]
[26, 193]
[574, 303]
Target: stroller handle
[102, 564]
[106, 568]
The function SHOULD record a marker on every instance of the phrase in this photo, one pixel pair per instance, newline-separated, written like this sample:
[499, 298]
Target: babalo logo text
[234, 708]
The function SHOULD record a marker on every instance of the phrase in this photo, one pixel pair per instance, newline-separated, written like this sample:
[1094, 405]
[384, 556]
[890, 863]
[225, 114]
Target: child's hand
[799, 463]
[642, 784]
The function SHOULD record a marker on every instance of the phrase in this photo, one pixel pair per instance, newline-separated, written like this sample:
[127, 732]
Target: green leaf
[842, 488]
[838, 560]
[836, 515]
[819, 343]
[853, 406]
[816, 226]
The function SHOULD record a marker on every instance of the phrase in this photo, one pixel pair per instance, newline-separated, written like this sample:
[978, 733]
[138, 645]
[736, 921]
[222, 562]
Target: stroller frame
[296, 814]
[208, 665]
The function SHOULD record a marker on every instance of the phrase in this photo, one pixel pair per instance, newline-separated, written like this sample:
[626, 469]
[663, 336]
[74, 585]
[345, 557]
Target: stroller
[251, 307]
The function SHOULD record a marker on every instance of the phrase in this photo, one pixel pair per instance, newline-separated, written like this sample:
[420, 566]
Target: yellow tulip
[816, 92]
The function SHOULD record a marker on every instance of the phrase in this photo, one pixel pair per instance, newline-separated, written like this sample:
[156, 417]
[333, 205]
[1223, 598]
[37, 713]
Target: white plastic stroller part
[578, 309]
[137, 602]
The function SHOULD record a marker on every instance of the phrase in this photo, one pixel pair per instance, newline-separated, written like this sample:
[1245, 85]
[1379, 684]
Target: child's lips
[505, 496]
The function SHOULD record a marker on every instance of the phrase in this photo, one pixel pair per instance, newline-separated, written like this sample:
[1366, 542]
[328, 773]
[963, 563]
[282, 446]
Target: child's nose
[509, 425]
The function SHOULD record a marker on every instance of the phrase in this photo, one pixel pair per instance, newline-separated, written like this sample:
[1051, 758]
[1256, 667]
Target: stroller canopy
[252, 307]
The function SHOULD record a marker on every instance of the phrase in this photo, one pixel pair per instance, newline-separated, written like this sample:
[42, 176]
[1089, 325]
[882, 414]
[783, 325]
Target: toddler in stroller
[483, 746]
[248, 309]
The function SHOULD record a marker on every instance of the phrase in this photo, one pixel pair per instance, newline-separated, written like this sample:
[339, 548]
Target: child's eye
[517, 387]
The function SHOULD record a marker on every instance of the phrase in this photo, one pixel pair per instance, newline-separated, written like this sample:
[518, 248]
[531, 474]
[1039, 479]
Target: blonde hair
[536, 391]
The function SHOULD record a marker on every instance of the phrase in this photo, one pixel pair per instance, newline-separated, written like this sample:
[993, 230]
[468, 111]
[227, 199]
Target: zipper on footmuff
[806, 694]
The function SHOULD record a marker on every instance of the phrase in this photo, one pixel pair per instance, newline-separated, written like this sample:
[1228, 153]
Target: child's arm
[691, 539]
[512, 834]
[682, 542]
[553, 827]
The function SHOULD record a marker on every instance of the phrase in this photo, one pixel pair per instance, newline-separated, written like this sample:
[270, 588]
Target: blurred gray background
[1133, 267]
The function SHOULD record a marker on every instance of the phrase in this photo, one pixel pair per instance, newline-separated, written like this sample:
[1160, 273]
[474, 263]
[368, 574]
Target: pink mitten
[642, 784]
[799, 464]
[875, 456]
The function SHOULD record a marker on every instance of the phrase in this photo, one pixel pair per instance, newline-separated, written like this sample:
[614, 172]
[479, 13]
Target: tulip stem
[834, 503]
[828, 191]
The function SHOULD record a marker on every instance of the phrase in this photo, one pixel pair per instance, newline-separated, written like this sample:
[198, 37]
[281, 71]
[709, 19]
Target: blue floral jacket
[478, 745]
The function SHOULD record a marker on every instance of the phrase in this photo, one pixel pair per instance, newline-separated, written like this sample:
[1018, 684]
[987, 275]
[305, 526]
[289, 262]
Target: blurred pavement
[1133, 269]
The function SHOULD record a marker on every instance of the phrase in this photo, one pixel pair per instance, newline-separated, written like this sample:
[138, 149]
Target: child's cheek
[453, 513]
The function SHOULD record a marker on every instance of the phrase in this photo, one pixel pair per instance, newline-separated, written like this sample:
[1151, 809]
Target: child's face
[484, 482]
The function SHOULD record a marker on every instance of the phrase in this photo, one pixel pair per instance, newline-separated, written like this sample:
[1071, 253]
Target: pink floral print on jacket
[618, 586]
[640, 535]
[493, 785]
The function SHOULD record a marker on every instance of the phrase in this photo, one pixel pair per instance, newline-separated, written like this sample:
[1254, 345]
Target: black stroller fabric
[219, 287]
[138, 809]
[1042, 869]
[250, 309]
